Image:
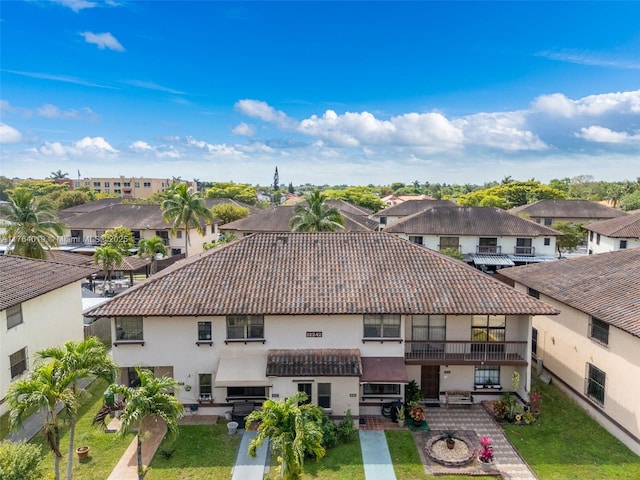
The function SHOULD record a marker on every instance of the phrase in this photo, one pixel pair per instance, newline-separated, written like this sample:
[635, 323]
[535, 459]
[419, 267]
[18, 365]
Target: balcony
[433, 352]
[489, 249]
[524, 251]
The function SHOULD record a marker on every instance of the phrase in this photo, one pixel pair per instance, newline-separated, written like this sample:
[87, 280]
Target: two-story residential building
[547, 212]
[397, 212]
[592, 349]
[614, 234]
[348, 318]
[356, 219]
[127, 187]
[487, 237]
[40, 307]
[83, 230]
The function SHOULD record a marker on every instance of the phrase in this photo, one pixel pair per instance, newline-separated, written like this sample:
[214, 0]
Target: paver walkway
[246, 467]
[375, 456]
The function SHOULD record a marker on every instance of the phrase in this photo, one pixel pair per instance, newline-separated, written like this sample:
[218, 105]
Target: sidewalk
[375, 456]
[246, 467]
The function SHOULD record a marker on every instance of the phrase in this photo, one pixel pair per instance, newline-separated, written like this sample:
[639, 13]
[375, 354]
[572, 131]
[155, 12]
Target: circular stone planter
[232, 428]
[83, 452]
[460, 455]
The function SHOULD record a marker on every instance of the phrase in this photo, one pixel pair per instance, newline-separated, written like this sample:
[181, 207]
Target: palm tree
[149, 248]
[81, 360]
[109, 259]
[152, 398]
[185, 209]
[33, 224]
[59, 174]
[294, 429]
[316, 216]
[45, 388]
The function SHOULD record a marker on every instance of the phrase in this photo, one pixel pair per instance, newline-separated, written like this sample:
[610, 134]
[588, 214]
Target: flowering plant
[418, 412]
[485, 454]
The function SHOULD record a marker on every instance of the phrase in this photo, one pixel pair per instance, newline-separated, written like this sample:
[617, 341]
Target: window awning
[332, 362]
[502, 260]
[538, 259]
[383, 370]
[248, 370]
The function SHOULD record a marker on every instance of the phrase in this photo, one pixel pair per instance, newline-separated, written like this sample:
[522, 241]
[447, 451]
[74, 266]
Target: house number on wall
[314, 334]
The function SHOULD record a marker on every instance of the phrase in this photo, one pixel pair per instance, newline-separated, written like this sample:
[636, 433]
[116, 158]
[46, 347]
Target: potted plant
[417, 413]
[82, 451]
[400, 416]
[449, 436]
[485, 454]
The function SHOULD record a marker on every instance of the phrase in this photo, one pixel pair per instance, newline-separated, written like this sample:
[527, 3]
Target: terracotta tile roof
[129, 263]
[606, 285]
[212, 202]
[314, 363]
[320, 273]
[621, 227]
[277, 220]
[134, 217]
[568, 209]
[89, 207]
[346, 207]
[455, 220]
[409, 207]
[25, 278]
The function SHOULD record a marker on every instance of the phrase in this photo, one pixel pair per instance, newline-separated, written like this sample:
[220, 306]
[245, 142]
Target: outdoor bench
[458, 398]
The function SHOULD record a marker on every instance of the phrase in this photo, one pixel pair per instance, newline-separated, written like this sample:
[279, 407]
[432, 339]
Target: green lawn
[567, 444]
[200, 451]
[106, 450]
[343, 462]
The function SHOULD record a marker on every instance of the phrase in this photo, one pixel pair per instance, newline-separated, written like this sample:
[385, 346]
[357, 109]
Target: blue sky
[329, 92]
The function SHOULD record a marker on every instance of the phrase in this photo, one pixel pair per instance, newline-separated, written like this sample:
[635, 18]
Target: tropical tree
[119, 238]
[241, 192]
[228, 212]
[151, 399]
[149, 248]
[58, 175]
[45, 389]
[186, 210]
[315, 215]
[33, 224]
[294, 429]
[81, 360]
[40, 188]
[573, 236]
[109, 259]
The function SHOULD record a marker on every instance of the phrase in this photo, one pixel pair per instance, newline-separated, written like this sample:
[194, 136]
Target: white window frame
[383, 323]
[14, 316]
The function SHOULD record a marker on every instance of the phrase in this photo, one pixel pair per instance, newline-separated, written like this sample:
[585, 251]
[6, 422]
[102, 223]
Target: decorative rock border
[450, 462]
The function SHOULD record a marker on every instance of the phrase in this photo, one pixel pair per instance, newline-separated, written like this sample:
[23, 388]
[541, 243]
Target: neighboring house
[392, 215]
[349, 318]
[615, 234]
[487, 237]
[396, 199]
[128, 187]
[40, 307]
[277, 220]
[547, 212]
[593, 347]
[83, 231]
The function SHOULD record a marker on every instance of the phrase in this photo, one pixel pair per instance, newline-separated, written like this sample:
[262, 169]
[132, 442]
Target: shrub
[20, 461]
[346, 430]
[329, 433]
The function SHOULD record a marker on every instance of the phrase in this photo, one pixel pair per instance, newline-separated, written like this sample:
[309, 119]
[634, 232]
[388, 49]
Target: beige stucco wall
[608, 244]
[565, 349]
[48, 320]
[468, 244]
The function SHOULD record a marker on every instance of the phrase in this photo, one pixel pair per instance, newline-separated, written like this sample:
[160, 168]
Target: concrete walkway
[127, 467]
[246, 467]
[375, 456]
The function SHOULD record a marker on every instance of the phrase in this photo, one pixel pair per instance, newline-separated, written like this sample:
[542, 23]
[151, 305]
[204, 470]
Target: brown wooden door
[430, 381]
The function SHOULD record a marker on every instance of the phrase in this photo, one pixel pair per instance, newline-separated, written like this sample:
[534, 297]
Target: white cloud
[94, 145]
[594, 59]
[244, 129]
[599, 134]
[49, 110]
[140, 146]
[153, 86]
[262, 111]
[591, 106]
[504, 131]
[77, 5]
[103, 40]
[8, 134]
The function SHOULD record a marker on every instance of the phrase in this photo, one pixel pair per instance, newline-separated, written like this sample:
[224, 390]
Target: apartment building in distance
[126, 187]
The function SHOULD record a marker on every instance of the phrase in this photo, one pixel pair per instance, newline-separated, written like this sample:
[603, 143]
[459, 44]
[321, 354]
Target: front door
[430, 381]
